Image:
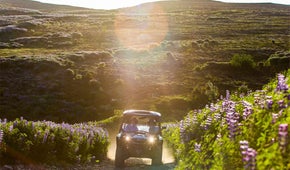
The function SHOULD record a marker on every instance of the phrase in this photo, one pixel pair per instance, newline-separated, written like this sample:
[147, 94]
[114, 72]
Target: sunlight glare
[151, 26]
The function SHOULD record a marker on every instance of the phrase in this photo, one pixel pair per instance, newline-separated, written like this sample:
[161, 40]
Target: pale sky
[113, 4]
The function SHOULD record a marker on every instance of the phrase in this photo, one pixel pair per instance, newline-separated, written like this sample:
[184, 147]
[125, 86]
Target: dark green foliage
[169, 106]
[45, 88]
[212, 91]
[279, 61]
[242, 61]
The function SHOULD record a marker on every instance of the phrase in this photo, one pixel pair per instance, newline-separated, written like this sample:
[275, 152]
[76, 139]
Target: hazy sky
[113, 4]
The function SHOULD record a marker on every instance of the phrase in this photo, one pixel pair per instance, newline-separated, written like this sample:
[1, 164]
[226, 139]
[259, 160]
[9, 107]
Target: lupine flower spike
[249, 155]
[1, 136]
[283, 135]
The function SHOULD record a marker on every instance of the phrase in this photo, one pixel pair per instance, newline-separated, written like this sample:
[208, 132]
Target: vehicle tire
[119, 158]
[157, 157]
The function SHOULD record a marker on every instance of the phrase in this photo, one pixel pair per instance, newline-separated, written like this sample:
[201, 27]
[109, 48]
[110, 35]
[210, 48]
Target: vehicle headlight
[151, 139]
[127, 138]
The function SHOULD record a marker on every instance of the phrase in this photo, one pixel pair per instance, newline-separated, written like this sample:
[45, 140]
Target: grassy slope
[163, 56]
[220, 149]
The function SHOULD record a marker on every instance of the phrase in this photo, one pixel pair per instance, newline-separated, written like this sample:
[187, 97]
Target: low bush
[29, 142]
[279, 61]
[170, 105]
[242, 60]
[238, 132]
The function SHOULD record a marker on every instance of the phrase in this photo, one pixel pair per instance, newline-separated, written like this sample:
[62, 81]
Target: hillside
[241, 131]
[71, 64]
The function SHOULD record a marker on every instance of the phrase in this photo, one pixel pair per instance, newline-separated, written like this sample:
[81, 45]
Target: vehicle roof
[141, 112]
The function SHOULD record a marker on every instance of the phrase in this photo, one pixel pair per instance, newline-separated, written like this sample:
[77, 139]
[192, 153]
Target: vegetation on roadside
[240, 131]
[79, 64]
[46, 142]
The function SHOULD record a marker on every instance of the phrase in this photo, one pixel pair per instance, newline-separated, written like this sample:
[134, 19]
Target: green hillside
[70, 64]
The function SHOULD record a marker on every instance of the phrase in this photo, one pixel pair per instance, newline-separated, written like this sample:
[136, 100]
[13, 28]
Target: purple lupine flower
[248, 154]
[232, 117]
[217, 116]
[233, 125]
[251, 154]
[283, 135]
[248, 110]
[274, 117]
[269, 102]
[10, 128]
[244, 145]
[256, 98]
[15, 123]
[187, 119]
[208, 122]
[259, 98]
[1, 136]
[281, 85]
[218, 139]
[281, 104]
[182, 131]
[212, 108]
[228, 96]
[45, 137]
[197, 147]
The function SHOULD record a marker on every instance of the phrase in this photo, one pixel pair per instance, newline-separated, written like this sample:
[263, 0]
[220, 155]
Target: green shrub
[243, 61]
[51, 143]
[212, 138]
[170, 105]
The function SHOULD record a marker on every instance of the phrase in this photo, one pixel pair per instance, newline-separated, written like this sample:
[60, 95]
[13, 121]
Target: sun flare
[151, 26]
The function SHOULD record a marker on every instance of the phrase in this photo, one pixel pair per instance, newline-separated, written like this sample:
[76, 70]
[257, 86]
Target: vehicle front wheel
[157, 157]
[119, 158]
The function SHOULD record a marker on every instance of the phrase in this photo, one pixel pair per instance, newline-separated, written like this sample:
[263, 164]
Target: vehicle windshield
[140, 124]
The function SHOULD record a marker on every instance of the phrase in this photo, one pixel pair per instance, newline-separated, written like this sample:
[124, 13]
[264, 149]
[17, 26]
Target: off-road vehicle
[139, 136]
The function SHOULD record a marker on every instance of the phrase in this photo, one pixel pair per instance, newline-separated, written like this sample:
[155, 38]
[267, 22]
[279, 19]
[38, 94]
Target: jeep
[139, 136]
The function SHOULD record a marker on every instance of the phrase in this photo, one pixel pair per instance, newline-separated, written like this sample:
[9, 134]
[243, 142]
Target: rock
[76, 35]
[12, 29]
[4, 45]
[16, 45]
[31, 24]
[31, 41]
[4, 22]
